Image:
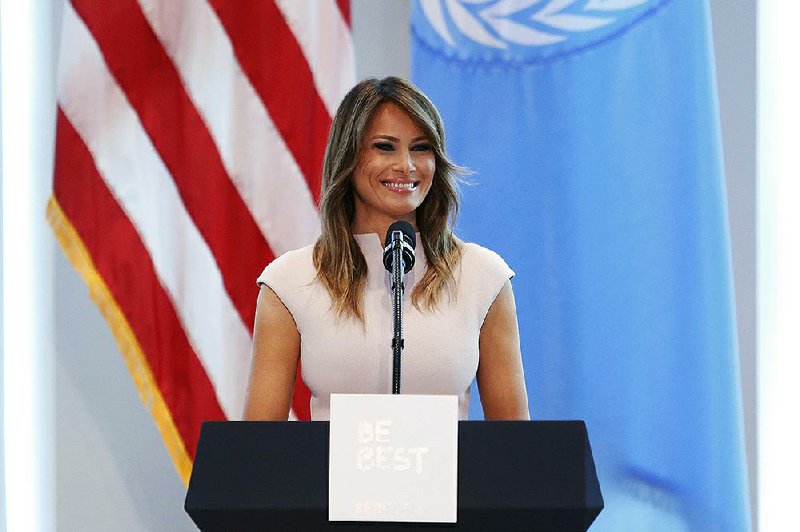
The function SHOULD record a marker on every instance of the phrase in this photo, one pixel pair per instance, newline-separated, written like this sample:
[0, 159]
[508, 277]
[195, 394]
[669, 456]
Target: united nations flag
[593, 131]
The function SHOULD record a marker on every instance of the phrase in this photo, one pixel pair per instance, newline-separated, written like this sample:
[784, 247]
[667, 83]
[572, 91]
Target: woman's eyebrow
[395, 139]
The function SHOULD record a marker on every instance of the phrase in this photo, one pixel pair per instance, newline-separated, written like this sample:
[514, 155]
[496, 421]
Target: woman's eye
[383, 146]
[421, 147]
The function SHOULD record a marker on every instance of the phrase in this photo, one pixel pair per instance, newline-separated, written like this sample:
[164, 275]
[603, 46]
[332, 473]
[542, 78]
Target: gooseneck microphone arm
[398, 259]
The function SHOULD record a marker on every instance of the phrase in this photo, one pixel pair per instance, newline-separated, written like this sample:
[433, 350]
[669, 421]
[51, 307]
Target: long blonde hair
[340, 265]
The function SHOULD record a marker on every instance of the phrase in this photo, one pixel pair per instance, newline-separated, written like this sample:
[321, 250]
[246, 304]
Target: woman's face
[394, 171]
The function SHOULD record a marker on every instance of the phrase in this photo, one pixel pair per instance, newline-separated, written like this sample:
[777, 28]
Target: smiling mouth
[395, 185]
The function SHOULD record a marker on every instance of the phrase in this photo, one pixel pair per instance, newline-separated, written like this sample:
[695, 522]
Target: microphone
[400, 234]
[398, 258]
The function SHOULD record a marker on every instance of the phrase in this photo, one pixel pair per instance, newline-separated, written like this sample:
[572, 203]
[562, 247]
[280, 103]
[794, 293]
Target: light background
[112, 471]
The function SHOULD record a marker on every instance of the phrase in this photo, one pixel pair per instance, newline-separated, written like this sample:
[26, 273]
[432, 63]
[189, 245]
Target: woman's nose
[405, 162]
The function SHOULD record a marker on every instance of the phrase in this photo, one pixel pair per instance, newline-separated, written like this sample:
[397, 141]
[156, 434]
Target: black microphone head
[404, 227]
[407, 243]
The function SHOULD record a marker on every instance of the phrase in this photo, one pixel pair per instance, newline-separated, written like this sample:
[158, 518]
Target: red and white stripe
[189, 148]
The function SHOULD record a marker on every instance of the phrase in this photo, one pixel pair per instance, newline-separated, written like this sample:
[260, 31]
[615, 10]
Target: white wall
[29, 34]
[381, 38]
[112, 470]
[735, 45]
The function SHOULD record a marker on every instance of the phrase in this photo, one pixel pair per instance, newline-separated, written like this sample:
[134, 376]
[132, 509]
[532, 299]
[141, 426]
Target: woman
[329, 304]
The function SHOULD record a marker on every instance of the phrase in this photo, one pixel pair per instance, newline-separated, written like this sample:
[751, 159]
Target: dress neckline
[366, 236]
[374, 253]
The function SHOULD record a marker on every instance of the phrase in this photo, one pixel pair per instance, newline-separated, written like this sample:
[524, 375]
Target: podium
[512, 475]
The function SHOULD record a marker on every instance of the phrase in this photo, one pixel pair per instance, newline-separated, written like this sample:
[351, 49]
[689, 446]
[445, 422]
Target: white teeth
[400, 185]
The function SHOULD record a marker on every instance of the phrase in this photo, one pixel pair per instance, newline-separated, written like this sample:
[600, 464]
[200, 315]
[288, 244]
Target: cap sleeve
[290, 276]
[484, 273]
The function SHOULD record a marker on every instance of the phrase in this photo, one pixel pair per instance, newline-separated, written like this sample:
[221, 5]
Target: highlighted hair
[340, 265]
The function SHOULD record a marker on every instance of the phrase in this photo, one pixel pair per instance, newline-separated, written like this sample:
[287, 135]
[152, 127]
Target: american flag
[190, 137]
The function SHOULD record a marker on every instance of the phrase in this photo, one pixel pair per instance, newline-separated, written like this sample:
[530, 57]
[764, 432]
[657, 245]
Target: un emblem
[526, 31]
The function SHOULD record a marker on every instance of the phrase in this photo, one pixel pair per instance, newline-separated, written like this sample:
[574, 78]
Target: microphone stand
[398, 271]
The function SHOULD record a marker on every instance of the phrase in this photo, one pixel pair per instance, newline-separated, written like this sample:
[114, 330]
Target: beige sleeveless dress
[343, 355]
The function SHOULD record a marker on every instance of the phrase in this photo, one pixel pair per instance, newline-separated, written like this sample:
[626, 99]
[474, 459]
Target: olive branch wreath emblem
[553, 23]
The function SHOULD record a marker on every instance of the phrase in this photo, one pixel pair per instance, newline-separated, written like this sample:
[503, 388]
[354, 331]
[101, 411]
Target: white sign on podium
[393, 458]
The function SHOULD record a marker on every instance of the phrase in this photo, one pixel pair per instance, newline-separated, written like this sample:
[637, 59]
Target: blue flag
[592, 128]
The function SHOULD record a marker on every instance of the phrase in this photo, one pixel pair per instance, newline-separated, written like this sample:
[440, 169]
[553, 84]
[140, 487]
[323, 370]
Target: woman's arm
[501, 381]
[276, 349]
